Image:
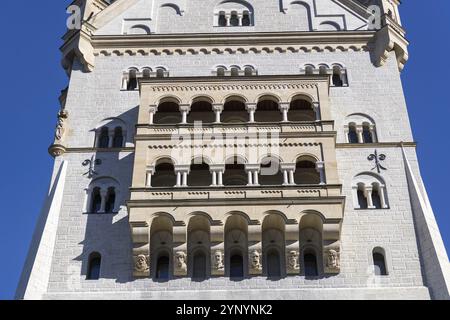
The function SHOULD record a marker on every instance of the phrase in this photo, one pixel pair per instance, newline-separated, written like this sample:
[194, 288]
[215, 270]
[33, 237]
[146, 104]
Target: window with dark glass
[96, 201]
[379, 264]
[236, 266]
[162, 268]
[103, 139]
[310, 265]
[94, 267]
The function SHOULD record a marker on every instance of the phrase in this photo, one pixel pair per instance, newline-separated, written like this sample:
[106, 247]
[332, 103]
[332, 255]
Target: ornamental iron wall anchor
[377, 158]
[91, 163]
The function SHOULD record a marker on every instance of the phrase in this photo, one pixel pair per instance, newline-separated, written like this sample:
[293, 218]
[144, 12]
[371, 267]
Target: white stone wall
[374, 91]
[197, 16]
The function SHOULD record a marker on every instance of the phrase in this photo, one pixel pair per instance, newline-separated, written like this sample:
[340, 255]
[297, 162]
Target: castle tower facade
[232, 149]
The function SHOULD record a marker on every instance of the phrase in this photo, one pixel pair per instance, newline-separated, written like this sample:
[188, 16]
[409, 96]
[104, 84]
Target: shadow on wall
[107, 244]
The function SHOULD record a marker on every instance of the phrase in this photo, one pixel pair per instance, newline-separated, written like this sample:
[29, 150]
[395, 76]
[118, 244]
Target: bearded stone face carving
[255, 261]
[292, 262]
[332, 258]
[218, 261]
[141, 264]
[180, 263]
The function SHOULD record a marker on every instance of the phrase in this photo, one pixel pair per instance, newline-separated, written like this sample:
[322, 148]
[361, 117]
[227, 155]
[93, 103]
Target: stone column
[288, 173]
[250, 178]
[381, 191]
[140, 235]
[284, 108]
[149, 173]
[103, 194]
[110, 138]
[346, 132]
[214, 178]
[180, 256]
[292, 253]
[355, 197]
[178, 179]
[152, 111]
[373, 133]
[217, 250]
[217, 173]
[251, 108]
[368, 194]
[285, 178]
[316, 106]
[320, 167]
[125, 79]
[184, 109]
[253, 171]
[182, 172]
[255, 255]
[359, 133]
[218, 109]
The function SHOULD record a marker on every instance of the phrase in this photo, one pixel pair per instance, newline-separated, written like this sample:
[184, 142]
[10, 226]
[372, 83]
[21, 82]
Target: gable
[197, 16]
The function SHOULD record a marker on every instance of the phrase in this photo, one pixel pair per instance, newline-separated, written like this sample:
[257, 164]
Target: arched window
[339, 78]
[310, 263]
[246, 19]
[103, 139]
[146, 73]
[132, 80]
[379, 263]
[94, 264]
[249, 71]
[168, 113]
[362, 200]
[199, 266]
[234, 71]
[201, 111]
[273, 264]
[352, 135]
[118, 138]
[221, 72]
[162, 268]
[369, 192]
[323, 70]
[110, 200]
[367, 133]
[199, 175]
[309, 70]
[235, 174]
[268, 110]
[306, 172]
[361, 129]
[234, 19]
[233, 13]
[270, 173]
[236, 266]
[376, 198]
[164, 175]
[160, 73]
[222, 19]
[234, 112]
[301, 110]
[96, 200]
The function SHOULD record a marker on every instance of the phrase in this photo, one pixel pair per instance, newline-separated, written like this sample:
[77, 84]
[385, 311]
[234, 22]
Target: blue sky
[32, 79]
